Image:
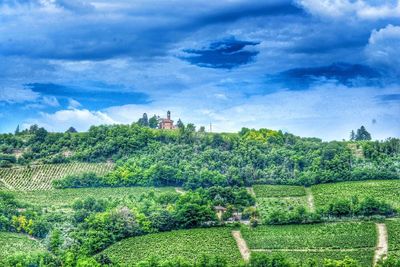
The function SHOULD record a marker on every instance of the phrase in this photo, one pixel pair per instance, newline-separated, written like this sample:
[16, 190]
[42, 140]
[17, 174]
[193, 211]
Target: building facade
[167, 123]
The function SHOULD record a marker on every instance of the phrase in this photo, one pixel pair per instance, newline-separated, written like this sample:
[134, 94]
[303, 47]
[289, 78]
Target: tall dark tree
[352, 135]
[17, 131]
[144, 121]
[71, 130]
[362, 134]
[180, 124]
[153, 122]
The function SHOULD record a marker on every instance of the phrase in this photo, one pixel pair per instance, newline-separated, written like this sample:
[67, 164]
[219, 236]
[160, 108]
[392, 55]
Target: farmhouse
[167, 123]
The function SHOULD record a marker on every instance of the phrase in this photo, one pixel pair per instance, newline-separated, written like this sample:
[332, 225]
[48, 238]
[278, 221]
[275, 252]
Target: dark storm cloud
[343, 73]
[141, 33]
[225, 54]
[93, 95]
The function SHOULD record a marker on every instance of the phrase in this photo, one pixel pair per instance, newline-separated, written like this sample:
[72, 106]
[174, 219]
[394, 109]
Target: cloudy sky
[311, 67]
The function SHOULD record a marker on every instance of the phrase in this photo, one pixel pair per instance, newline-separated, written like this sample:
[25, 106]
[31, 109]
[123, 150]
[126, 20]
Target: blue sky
[310, 67]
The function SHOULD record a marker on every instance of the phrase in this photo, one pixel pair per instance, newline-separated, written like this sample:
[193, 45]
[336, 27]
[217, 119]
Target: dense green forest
[190, 158]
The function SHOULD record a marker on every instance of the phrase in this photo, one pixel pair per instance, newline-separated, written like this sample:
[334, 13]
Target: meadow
[12, 243]
[40, 177]
[190, 244]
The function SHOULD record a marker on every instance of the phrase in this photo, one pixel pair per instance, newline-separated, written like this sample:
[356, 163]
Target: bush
[88, 179]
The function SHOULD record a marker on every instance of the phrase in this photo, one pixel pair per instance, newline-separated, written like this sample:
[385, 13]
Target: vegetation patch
[312, 236]
[13, 243]
[387, 191]
[190, 244]
[263, 191]
[40, 177]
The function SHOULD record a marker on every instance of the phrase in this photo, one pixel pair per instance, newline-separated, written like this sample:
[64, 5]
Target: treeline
[190, 158]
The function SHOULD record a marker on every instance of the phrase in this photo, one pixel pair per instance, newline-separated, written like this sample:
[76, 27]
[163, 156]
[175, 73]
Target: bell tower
[168, 115]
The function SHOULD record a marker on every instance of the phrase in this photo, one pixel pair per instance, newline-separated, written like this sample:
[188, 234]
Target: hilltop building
[167, 123]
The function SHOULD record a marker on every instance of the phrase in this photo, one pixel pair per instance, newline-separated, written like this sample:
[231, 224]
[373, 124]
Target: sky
[314, 68]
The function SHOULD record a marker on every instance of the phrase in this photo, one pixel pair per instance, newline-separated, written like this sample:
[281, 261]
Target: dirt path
[179, 190]
[381, 249]
[310, 199]
[241, 243]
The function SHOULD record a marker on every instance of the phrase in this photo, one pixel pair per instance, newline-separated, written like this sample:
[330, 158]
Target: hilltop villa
[167, 123]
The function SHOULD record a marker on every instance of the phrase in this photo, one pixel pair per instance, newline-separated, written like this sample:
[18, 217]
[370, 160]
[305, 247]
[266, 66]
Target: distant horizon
[311, 68]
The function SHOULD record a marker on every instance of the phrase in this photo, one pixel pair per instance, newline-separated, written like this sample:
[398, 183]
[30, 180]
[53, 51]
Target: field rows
[189, 244]
[300, 242]
[40, 177]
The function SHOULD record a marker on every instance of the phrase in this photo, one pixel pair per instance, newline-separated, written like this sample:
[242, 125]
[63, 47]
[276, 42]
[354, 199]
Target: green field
[324, 235]
[329, 240]
[364, 256]
[61, 198]
[393, 228]
[190, 244]
[281, 198]
[12, 243]
[40, 177]
[264, 191]
[387, 190]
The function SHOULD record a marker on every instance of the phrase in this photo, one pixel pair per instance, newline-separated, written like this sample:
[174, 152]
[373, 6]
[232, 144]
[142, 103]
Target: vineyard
[281, 198]
[62, 198]
[387, 191]
[316, 240]
[40, 177]
[12, 243]
[190, 244]
[393, 227]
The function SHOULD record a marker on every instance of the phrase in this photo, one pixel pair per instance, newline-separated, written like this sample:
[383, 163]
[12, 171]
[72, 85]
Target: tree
[362, 134]
[180, 124]
[202, 129]
[71, 130]
[17, 131]
[153, 122]
[352, 135]
[144, 121]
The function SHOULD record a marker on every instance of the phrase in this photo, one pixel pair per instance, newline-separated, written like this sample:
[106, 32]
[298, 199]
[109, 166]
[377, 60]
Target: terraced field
[12, 243]
[40, 177]
[331, 240]
[387, 190]
[61, 198]
[190, 244]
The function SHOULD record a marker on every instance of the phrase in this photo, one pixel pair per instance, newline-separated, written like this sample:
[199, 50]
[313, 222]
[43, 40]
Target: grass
[12, 243]
[386, 190]
[62, 198]
[364, 256]
[190, 244]
[311, 236]
[264, 191]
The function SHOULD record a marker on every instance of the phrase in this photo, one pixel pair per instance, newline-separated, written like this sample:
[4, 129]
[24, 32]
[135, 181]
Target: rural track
[310, 199]
[381, 249]
[242, 245]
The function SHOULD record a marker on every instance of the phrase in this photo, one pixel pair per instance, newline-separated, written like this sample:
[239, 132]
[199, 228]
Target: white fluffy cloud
[383, 47]
[360, 8]
[81, 119]
[17, 95]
